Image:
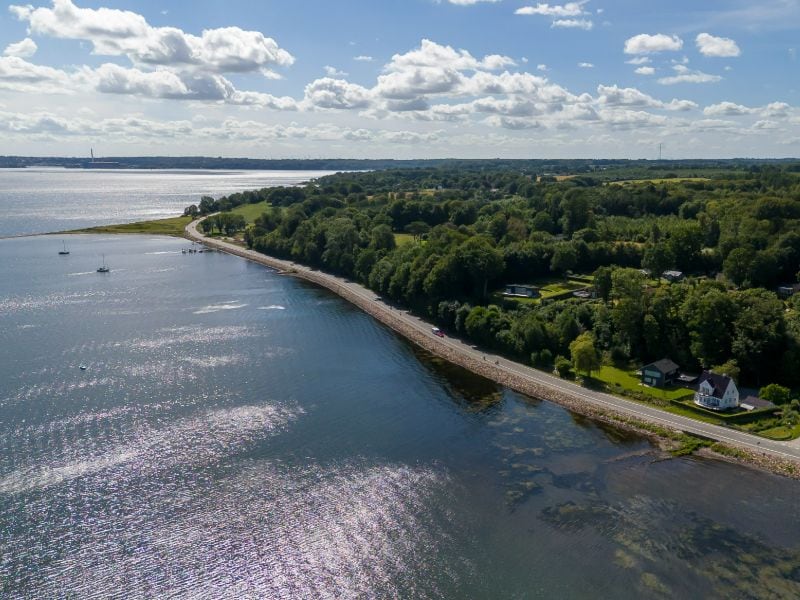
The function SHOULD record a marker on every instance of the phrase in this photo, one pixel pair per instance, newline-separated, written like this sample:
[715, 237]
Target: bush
[563, 366]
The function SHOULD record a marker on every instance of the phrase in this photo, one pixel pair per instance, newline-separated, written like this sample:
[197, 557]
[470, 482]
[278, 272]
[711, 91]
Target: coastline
[666, 429]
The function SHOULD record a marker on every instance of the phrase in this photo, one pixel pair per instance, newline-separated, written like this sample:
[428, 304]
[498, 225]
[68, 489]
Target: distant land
[533, 166]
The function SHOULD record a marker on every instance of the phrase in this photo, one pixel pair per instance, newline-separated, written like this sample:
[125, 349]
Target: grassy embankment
[172, 226]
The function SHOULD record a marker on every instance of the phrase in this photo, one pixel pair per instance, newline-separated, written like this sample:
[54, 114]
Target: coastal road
[600, 400]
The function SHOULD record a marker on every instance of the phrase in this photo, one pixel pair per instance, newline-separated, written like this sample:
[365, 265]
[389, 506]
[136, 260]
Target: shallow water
[42, 200]
[237, 433]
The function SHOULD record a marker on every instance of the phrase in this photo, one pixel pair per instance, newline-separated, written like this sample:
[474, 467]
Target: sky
[401, 78]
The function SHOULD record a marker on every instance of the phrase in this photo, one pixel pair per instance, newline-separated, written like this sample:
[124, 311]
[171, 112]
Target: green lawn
[628, 380]
[781, 433]
[172, 226]
[252, 211]
[401, 239]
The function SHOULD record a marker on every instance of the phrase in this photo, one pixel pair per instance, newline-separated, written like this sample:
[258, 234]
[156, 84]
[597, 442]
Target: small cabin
[788, 290]
[517, 290]
[660, 373]
[716, 392]
[673, 276]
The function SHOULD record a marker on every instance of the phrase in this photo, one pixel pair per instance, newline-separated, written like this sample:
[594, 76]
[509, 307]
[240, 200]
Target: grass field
[252, 211]
[173, 226]
[401, 239]
[627, 380]
[660, 180]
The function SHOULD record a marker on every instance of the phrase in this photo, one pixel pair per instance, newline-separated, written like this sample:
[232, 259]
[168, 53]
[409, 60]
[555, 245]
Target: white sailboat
[103, 268]
[64, 251]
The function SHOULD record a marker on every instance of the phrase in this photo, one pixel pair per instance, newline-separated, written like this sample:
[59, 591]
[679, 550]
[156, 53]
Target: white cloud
[24, 49]
[680, 105]
[709, 45]
[570, 9]
[124, 33]
[644, 71]
[616, 96]
[336, 94]
[639, 60]
[17, 74]
[586, 65]
[776, 109]
[564, 16]
[584, 24]
[726, 109]
[333, 71]
[541, 67]
[686, 75]
[650, 44]
[363, 58]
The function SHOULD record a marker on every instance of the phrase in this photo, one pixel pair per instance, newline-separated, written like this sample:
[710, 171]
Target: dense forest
[443, 242]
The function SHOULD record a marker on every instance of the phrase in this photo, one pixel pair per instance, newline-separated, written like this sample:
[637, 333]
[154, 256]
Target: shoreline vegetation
[669, 439]
[173, 226]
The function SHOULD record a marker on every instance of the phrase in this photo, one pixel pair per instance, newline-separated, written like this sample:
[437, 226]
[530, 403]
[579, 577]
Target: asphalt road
[784, 450]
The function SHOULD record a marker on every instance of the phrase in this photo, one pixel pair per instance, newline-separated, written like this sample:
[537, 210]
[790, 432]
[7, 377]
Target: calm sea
[241, 434]
[42, 200]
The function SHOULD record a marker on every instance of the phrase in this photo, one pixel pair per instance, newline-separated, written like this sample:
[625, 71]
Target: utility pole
[659, 151]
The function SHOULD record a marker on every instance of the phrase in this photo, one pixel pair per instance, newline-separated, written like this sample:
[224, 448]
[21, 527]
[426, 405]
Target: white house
[717, 392]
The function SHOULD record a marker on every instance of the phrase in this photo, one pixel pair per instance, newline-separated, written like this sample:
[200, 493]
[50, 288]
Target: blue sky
[401, 78]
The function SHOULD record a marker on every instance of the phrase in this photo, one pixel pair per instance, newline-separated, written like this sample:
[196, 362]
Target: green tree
[564, 258]
[563, 366]
[481, 262]
[417, 229]
[382, 238]
[585, 357]
[777, 394]
[657, 258]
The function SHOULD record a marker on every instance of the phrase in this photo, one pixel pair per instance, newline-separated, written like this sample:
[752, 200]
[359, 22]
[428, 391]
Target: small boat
[64, 251]
[83, 367]
[103, 268]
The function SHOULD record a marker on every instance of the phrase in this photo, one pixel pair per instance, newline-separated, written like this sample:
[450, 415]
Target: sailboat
[103, 268]
[64, 251]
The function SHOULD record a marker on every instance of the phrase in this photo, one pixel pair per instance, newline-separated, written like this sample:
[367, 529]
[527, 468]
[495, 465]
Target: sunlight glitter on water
[194, 442]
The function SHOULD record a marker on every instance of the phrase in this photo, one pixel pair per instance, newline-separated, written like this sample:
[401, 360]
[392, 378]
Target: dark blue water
[239, 434]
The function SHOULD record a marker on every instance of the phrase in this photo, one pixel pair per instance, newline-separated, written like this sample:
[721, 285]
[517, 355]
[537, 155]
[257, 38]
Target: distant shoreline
[669, 430]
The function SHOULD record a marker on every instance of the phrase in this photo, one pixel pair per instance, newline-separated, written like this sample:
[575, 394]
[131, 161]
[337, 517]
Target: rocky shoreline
[667, 439]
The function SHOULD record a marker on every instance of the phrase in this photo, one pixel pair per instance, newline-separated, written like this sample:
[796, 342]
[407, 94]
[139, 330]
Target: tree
[737, 265]
[562, 366]
[627, 286]
[191, 211]
[481, 262]
[417, 229]
[759, 338]
[657, 259]
[602, 282]
[207, 205]
[382, 238]
[564, 258]
[585, 357]
[777, 394]
[729, 368]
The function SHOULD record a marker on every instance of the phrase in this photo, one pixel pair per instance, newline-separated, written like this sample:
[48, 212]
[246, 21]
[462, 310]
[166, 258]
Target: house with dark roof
[518, 290]
[716, 392]
[660, 373]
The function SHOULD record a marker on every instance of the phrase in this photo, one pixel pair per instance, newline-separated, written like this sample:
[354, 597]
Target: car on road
[437, 332]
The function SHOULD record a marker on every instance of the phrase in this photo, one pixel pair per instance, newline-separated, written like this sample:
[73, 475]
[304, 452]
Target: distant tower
[91, 151]
[659, 151]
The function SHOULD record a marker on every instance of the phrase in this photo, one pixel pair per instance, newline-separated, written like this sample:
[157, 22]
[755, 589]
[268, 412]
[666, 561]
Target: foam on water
[212, 308]
[272, 307]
